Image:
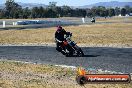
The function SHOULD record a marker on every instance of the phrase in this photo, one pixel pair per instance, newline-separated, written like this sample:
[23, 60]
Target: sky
[66, 2]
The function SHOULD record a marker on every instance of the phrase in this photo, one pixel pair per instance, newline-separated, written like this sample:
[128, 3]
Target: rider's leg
[58, 46]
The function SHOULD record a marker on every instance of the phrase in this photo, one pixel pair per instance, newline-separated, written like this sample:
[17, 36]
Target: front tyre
[80, 53]
[69, 54]
[58, 49]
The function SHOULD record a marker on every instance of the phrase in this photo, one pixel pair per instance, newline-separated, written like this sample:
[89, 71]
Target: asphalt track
[112, 59]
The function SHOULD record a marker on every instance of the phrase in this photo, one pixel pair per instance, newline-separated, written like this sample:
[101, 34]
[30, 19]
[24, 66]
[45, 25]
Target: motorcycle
[69, 47]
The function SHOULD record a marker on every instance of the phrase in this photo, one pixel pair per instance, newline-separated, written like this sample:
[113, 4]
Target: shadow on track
[90, 55]
[85, 56]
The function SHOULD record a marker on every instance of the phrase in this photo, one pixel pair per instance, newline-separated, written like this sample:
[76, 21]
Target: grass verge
[97, 34]
[29, 75]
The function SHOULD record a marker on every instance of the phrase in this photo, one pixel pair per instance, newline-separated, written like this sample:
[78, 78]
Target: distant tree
[26, 13]
[81, 12]
[117, 11]
[41, 12]
[13, 10]
[106, 12]
[131, 10]
[52, 4]
[1, 13]
[52, 9]
[34, 12]
[123, 12]
[45, 13]
[101, 11]
[78, 12]
[51, 13]
[84, 13]
[66, 11]
[128, 8]
[89, 12]
[111, 12]
[58, 10]
[94, 11]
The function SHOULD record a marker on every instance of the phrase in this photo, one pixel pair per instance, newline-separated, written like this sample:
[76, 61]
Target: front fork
[75, 48]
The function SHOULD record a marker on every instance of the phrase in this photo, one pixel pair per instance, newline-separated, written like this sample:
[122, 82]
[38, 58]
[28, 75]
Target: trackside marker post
[3, 24]
[83, 20]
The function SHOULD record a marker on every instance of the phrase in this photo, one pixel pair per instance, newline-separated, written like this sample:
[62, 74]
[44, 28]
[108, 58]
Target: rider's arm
[56, 37]
[58, 40]
[64, 31]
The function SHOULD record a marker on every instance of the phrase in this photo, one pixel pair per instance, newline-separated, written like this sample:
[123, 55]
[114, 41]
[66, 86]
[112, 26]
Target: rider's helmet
[59, 28]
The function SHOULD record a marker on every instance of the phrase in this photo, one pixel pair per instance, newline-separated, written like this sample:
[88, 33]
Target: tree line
[14, 10]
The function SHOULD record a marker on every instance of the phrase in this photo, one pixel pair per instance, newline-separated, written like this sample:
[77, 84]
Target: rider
[59, 37]
[93, 20]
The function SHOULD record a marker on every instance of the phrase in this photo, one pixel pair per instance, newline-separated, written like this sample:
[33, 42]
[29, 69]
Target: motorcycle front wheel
[69, 54]
[80, 53]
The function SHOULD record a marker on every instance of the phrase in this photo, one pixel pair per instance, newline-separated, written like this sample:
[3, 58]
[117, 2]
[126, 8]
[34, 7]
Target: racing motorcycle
[70, 48]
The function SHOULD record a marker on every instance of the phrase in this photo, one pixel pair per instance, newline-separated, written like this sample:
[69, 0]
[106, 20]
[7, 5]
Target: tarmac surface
[105, 58]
